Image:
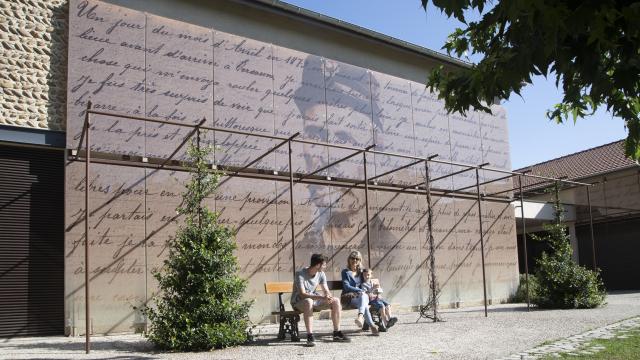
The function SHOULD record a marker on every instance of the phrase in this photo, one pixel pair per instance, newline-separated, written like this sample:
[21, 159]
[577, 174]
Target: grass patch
[614, 349]
[549, 342]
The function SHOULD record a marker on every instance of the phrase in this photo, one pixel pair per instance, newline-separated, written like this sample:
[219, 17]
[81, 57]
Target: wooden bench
[289, 319]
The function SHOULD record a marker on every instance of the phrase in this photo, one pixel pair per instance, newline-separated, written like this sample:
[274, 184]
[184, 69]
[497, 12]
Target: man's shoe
[359, 320]
[375, 331]
[392, 322]
[339, 337]
[381, 327]
[311, 341]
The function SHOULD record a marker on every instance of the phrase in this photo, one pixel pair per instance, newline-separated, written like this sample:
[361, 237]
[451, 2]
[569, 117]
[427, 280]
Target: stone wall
[33, 63]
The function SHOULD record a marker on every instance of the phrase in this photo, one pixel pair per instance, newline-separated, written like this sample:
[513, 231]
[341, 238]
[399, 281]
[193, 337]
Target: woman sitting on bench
[353, 296]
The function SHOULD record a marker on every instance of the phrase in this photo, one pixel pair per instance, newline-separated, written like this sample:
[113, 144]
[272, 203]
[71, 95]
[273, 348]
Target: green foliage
[521, 293]
[561, 282]
[592, 48]
[200, 306]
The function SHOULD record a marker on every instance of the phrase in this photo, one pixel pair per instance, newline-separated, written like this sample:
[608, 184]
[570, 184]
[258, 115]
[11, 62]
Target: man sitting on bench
[305, 299]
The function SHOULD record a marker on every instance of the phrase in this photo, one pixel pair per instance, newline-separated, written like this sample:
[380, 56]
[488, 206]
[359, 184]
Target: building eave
[324, 20]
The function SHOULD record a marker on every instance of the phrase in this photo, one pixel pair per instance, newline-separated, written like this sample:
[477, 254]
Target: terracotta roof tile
[598, 160]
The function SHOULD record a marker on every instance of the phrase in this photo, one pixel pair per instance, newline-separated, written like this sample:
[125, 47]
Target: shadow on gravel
[495, 310]
[128, 357]
[321, 337]
[275, 342]
[96, 345]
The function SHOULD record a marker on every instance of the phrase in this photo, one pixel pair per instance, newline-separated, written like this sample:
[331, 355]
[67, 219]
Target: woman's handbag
[345, 298]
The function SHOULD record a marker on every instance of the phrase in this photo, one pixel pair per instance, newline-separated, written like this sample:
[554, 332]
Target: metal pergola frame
[246, 171]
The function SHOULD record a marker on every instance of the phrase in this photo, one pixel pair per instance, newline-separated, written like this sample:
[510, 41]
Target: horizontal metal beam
[397, 169]
[336, 162]
[154, 163]
[140, 118]
[446, 176]
[452, 174]
[526, 174]
[184, 141]
[513, 189]
[482, 183]
[268, 152]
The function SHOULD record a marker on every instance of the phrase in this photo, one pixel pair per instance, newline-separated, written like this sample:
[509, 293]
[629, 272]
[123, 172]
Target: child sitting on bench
[374, 291]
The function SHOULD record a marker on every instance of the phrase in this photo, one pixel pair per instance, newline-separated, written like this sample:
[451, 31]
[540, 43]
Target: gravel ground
[465, 334]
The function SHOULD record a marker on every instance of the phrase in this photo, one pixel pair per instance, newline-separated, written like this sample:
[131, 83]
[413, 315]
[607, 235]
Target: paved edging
[579, 344]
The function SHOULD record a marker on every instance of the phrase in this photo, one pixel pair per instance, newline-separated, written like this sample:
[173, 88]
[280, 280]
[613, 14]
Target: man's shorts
[318, 305]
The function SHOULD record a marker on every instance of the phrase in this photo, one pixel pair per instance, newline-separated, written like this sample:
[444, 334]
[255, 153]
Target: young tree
[592, 47]
[561, 283]
[200, 305]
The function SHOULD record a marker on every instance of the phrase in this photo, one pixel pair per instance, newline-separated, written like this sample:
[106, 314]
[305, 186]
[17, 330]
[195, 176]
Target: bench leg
[289, 325]
[295, 335]
[283, 326]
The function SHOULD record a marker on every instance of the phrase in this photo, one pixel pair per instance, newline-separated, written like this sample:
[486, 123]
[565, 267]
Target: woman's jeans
[362, 304]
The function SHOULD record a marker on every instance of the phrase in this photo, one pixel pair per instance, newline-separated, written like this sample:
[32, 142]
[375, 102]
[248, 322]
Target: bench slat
[290, 312]
[287, 286]
[278, 287]
[334, 285]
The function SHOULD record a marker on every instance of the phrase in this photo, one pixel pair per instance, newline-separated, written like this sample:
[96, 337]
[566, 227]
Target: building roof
[283, 7]
[599, 160]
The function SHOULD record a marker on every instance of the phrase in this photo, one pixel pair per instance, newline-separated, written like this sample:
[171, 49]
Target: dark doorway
[617, 244]
[31, 241]
[535, 249]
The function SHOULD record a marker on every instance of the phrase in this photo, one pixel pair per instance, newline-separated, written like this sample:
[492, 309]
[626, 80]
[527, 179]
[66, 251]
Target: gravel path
[465, 334]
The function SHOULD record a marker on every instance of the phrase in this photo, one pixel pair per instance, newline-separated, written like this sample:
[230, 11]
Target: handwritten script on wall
[138, 64]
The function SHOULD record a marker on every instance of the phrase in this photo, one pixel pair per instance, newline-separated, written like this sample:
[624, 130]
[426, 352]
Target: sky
[533, 138]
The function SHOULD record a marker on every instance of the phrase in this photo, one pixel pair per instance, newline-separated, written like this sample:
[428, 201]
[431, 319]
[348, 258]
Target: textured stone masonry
[33, 63]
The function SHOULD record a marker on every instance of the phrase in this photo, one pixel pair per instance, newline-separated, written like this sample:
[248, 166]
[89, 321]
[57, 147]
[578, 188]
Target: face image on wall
[139, 64]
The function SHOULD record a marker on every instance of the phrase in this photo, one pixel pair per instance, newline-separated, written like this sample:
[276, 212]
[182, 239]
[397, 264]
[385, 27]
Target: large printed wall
[135, 63]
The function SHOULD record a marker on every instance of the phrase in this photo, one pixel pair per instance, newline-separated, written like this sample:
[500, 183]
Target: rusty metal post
[432, 248]
[524, 241]
[293, 231]
[87, 310]
[484, 280]
[366, 208]
[593, 242]
[199, 182]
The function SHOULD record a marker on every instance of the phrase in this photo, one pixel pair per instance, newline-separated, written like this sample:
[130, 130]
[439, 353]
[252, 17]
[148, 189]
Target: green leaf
[592, 49]
[200, 305]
